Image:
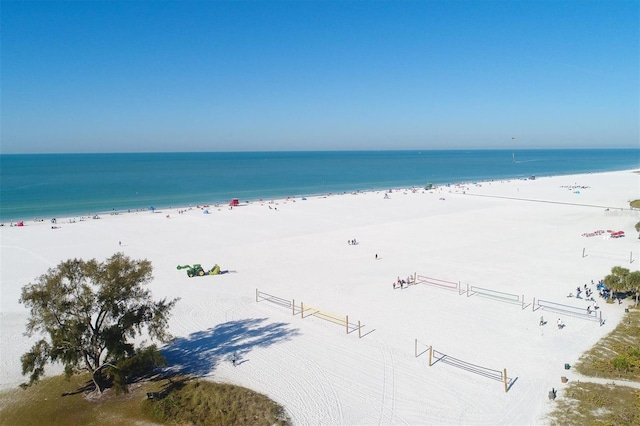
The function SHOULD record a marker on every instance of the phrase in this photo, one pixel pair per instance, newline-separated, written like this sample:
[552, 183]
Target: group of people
[400, 283]
[352, 242]
[587, 292]
[603, 292]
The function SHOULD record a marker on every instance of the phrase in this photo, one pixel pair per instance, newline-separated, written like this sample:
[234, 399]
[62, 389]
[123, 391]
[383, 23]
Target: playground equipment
[197, 269]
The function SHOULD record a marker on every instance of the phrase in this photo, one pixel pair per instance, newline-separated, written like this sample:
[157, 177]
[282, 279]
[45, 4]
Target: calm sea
[50, 185]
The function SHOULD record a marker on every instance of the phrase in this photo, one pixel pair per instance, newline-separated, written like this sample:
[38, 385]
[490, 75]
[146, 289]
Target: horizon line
[323, 151]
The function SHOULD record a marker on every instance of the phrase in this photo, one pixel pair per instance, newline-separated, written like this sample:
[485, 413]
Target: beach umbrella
[152, 208]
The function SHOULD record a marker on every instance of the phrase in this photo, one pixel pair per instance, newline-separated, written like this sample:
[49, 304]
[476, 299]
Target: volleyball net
[341, 320]
[490, 373]
[436, 356]
[436, 282]
[497, 295]
[280, 301]
[307, 311]
[574, 311]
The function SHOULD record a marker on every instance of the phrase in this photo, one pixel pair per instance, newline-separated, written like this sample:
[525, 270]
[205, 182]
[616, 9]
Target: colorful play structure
[198, 270]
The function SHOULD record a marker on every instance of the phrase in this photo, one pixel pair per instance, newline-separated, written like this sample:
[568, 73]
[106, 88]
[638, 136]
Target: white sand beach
[509, 238]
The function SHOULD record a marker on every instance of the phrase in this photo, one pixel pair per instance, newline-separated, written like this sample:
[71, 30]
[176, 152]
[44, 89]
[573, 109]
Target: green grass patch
[594, 404]
[617, 355]
[202, 402]
[69, 402]
[635, 204]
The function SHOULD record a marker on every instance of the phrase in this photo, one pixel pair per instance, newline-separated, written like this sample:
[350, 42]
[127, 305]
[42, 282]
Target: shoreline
[488, 235]
[87, 216]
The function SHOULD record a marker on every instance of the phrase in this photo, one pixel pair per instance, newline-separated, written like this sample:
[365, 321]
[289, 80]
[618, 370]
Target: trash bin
[567, 366]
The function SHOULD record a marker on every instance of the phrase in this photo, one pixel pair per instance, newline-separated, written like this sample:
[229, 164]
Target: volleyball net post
[420, 351]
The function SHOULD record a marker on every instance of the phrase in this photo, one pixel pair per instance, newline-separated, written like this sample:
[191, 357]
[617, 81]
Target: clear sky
[107, 76]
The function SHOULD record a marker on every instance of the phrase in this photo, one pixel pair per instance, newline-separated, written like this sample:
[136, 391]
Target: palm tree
[617, 279]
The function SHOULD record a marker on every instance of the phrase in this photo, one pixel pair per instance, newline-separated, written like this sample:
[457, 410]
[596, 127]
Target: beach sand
[514, 238]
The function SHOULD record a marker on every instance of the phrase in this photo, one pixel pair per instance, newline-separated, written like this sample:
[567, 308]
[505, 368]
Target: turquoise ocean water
[50, 185]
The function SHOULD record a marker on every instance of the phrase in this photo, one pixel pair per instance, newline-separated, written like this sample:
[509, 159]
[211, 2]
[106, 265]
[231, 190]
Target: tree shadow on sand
[199, 353]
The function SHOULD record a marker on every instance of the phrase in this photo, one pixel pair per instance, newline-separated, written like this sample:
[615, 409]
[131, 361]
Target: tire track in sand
[326, 382]
[388, 377]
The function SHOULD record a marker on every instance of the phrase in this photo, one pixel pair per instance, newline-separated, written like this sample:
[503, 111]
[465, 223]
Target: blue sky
[107, 76]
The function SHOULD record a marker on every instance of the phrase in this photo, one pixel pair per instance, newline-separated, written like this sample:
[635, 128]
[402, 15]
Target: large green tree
[617, 279]
[88, 313]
